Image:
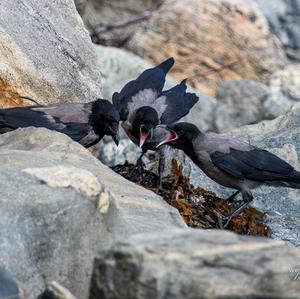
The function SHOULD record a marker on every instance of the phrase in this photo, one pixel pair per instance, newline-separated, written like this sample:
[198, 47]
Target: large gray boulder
[284, 91]
[45, 54]
[196, 264]
[240, 102]
[59, 206]
[210, 48]
[284, 18]
[282, 205]
[108, 12]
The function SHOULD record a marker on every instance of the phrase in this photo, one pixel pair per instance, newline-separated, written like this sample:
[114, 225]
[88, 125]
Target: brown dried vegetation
[199, 208]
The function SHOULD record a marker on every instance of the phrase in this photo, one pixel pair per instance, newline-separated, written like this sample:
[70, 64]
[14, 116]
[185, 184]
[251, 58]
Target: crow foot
[231, 198]
[236, 212]
[136, 170]
[247, 198]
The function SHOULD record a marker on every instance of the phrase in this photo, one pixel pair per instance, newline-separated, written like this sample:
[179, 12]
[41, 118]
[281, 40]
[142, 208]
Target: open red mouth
[172, 136]
[144, 134]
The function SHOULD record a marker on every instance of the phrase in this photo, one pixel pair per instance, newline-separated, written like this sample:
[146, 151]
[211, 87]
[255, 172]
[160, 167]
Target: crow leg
[139, 166]
[247, 198]
[139, 163]
[233, 196]
[161, 166]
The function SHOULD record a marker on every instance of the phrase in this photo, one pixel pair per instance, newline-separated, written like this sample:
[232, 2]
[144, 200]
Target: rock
[240, 102]
[109, 12]
[281, 137]
[119, 66]
[59, 206]
[80, 6]
[46, 54]
[110, 154]
[196, 264]
[207, 43]
[284, 91]
[9, 287]
[284, 18]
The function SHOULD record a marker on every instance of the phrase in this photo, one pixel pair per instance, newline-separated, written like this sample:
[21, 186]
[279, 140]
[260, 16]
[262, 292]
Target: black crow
[143, 105]
[85, 123]
[228, 161]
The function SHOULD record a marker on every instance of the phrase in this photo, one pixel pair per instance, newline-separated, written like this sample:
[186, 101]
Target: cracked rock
[59, 206]
[194, 264]
[44, 52]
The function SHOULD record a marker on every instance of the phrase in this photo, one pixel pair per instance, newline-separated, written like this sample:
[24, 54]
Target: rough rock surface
[59, 206]
[107, 12]
[80, 6]
[207, 43]
[196, 264]
[284, 18]
[284, 91]
[45, 53]
[119, 66]
[280, 136]
[240, 102]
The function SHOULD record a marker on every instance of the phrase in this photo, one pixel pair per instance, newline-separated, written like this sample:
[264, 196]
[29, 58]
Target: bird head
[105, 119]
[178, 135]
[145, 120]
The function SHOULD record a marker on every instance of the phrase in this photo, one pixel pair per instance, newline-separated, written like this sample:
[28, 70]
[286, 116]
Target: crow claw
[236, 212]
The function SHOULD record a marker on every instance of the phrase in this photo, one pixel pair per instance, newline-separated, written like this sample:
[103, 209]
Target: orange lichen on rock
[9, 95]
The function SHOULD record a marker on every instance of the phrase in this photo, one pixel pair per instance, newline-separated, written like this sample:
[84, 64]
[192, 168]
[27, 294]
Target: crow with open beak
[85, 123]
[228, 161]
[143, 105]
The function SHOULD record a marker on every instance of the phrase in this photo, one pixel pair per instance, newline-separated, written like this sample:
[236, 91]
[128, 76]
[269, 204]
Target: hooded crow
[228, 161]
[85, 123]
[143, 105]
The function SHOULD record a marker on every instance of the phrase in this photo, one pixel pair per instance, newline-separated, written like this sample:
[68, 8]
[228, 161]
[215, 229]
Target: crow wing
[68, 112]
[152, 80]
[258, 165]
[70, 119]
[178, 103]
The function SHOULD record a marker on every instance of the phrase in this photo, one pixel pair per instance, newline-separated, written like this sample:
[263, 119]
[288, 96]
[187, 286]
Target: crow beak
[151, 133]
[171, 137]
[113, 131]
[144, 134]
[116, 138]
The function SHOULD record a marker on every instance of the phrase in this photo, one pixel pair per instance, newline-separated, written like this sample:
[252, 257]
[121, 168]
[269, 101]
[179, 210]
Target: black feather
[230, 165]
[294, 177]
[26, 117]
[153, 78]
[179, 103]
[166, 65]
[257, 165]
[263, 160]
[77, 131]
